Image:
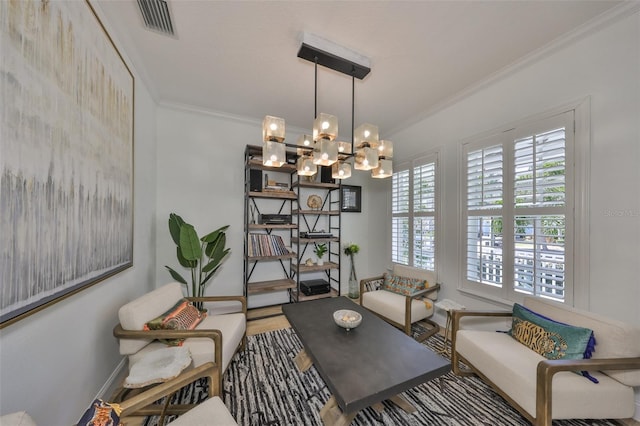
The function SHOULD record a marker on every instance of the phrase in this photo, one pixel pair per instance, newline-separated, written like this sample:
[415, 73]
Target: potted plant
[202, 256]
[320, 250]
[350, 250]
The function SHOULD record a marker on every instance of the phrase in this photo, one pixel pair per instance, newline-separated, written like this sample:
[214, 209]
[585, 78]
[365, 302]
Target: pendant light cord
[315, 90]
[353, 108]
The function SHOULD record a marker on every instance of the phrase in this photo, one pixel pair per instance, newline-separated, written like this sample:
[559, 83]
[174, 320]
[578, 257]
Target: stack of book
[266, 245]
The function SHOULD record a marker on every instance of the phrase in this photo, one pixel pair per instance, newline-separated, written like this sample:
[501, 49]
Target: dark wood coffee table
[362, 366]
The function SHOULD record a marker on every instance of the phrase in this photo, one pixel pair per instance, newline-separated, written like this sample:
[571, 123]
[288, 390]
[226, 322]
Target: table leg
[403, 403]
[303, 362]
[447, 328]
[332, 415]
[378, 406]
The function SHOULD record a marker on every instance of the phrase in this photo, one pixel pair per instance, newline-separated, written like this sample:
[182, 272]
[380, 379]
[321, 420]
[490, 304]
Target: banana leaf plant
[203, 256]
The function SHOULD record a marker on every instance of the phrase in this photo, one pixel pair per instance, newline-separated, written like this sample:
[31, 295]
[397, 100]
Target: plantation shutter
[414, 199]
[540, 208]
[485, 171]
[518, 212]
[400, 232]
[424, 210]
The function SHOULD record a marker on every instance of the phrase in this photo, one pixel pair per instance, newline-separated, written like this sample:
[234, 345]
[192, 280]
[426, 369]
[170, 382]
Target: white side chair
[212, 412]
[398, 309]
[212, 345]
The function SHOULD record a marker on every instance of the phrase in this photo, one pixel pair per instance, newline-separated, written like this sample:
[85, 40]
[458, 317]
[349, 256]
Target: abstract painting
[66, 154]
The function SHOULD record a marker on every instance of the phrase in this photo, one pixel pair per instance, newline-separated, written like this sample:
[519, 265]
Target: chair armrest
[547, 368]
[215, 335]
[456, 316]
[411, 297]
[156, 392]
[425, 291]
[363, 285]
[241, 299]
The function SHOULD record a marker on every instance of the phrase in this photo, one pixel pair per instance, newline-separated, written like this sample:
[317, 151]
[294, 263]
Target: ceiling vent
[156, 16]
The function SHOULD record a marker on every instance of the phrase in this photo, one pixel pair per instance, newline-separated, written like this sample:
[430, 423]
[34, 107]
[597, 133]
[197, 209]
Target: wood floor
[262, 320]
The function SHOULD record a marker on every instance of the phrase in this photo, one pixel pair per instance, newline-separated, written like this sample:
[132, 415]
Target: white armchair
[398, 309]
[212, 345]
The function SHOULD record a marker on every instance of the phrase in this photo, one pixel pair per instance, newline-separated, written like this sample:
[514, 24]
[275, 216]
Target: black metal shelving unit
[286, 202]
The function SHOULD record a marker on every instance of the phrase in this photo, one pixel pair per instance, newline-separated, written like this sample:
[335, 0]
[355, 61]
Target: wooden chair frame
[141, 403]
[406, 327]
[544, 373]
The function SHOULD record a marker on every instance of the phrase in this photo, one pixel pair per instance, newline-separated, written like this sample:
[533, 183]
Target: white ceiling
[240, 57]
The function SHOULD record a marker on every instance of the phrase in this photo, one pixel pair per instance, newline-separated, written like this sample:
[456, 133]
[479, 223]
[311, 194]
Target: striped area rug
[262, 386]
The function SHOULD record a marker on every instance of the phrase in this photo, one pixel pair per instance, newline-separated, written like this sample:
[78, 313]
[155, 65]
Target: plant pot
[320, 262]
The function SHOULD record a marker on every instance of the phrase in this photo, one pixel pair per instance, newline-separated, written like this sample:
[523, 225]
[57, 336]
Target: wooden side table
[448, 305]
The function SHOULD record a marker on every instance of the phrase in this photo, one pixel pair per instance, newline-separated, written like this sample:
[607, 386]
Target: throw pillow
[550, 338]
[182, 316]
[101, 413]
[403, 285]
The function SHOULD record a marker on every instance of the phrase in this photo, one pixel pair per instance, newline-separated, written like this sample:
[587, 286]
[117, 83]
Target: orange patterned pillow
[182, 316]
[403, 285]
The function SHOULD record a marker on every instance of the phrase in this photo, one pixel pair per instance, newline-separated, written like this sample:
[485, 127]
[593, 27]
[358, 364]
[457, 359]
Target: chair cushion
[19, 418]
[391, 305]
[211, 412]
[136, 313]
[182, 316]
[202, 350]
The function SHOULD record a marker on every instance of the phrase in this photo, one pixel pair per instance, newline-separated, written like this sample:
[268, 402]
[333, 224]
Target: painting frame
[350, 199]
[67, 173]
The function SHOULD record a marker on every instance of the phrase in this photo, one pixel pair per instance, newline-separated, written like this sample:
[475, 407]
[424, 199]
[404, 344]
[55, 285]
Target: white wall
[54, 362]
[605, 66]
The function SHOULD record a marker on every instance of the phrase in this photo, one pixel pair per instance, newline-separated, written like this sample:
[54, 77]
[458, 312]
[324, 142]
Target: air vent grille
[156, 16]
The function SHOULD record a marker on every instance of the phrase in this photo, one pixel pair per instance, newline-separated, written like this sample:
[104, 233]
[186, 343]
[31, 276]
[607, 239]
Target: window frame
[577, 250]
[432, 156]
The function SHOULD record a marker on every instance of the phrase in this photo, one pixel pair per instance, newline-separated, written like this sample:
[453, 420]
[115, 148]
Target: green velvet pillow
[552, 339]
[403, 285]
[182, 316]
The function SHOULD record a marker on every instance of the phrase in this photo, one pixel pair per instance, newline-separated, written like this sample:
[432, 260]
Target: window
[518, 214]
[414, 200]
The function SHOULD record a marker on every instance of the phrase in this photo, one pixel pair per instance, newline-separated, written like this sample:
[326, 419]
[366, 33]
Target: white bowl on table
[347, 319]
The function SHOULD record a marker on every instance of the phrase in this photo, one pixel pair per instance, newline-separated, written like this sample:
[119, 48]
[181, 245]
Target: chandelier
[366, 150]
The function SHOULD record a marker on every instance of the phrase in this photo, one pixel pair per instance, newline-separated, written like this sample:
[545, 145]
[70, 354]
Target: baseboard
[113, 382]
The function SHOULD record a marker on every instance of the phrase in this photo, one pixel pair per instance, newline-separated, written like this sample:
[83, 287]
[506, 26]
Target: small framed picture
[351, 198]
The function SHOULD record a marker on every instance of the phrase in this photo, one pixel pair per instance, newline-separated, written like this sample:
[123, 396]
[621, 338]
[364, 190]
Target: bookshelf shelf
[301, 297]
[278, 257]
[282, 195]
[272, 285]
[277, 226]
[318, 212]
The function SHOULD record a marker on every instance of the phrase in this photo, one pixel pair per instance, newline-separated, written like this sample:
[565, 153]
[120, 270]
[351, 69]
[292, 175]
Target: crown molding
[243, 119]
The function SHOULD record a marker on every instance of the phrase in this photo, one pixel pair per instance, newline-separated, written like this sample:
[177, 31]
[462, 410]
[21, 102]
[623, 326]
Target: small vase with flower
[350, 250]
